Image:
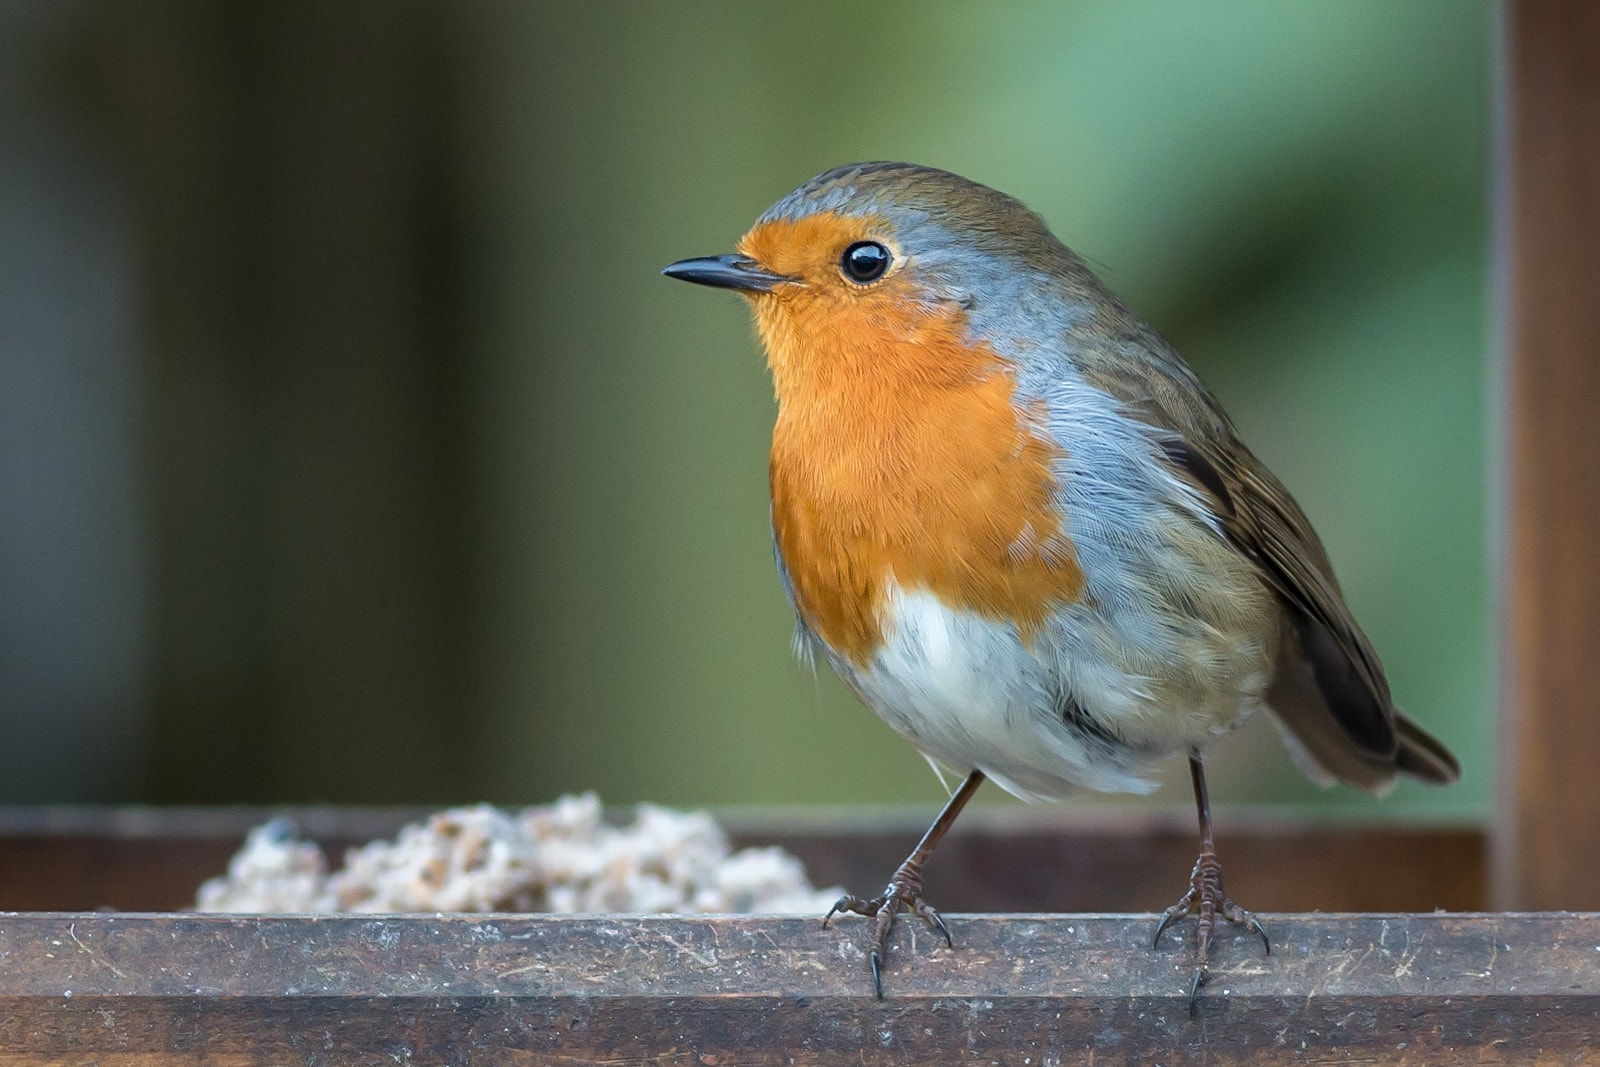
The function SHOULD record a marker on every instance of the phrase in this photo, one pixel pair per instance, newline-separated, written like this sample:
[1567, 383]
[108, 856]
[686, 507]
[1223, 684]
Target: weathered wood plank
[1032, 860]
[1397, 989]
[1004, 859]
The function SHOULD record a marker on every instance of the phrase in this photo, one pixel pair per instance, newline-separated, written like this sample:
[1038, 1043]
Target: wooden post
[1547, 841]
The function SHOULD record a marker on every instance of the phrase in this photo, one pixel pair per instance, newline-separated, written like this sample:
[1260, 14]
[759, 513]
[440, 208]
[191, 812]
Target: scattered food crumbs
[563, 857]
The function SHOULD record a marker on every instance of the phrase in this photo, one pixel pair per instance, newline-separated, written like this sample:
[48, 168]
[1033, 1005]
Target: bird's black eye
[864, 261]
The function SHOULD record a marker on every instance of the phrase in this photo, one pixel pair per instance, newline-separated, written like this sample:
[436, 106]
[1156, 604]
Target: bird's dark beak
[726, 272]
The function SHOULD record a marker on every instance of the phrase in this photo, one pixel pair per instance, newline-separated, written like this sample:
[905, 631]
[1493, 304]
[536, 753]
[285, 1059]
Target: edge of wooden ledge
[1437, 956]
[140, 990]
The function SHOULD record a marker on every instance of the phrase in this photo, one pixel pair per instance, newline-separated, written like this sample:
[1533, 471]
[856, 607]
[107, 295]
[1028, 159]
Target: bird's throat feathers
[902, 457]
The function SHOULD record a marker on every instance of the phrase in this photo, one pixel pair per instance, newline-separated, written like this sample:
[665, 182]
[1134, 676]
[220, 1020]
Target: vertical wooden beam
[1547, 850]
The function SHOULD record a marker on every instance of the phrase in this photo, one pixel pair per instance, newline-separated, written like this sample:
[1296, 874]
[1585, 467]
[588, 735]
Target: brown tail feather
[1423, 757]
[1314, 712]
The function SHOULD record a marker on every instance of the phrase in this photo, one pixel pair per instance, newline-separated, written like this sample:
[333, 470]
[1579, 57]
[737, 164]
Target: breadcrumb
[563, 857]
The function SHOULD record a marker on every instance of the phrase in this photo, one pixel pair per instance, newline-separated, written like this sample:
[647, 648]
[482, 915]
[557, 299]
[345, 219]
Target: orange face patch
[899, 451]
[809, 248]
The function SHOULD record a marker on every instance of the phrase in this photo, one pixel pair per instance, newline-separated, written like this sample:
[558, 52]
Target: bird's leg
[905, 888]
[1205, 897]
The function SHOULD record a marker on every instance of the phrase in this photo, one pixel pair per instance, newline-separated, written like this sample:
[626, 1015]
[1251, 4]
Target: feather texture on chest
[899, 453]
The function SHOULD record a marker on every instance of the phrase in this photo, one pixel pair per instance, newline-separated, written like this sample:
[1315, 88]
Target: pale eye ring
[865, 261]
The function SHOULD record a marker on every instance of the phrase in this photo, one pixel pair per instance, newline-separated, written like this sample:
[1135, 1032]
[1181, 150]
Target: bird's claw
[1200, 976]
[904, 893]
[1207, 901]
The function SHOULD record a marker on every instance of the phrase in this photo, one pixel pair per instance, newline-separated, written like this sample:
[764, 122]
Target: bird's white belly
[972, 694]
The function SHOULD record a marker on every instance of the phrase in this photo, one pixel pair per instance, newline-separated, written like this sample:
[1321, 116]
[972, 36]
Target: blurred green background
[355, 451]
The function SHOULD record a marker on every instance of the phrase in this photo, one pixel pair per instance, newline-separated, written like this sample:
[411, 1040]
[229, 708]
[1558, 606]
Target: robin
[1013, 520]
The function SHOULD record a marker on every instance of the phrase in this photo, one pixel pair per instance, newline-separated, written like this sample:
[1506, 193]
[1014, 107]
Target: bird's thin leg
[905, 888]
[1205, 897]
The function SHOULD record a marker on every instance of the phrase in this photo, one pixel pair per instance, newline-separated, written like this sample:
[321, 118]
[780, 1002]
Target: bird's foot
[1206, 900]
[903, 892]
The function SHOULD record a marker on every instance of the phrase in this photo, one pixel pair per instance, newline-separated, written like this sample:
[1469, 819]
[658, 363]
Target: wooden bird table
[137, 987]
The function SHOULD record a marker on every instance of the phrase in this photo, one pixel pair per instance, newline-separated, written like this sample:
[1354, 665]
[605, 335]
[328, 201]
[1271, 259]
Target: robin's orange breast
[901, 453]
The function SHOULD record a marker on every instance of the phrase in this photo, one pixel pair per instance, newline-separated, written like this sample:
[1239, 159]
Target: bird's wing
[1329, 691]
[1257, 514]
[1260, 517]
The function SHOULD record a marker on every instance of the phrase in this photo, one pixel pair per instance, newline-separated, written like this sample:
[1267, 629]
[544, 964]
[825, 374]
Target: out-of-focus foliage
[1293, 193]
[355, 450]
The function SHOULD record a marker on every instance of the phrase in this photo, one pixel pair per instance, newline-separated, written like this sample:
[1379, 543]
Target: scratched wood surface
[126, 990]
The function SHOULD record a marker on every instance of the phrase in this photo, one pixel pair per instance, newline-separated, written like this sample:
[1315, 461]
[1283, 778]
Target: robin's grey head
[952, 239]
[913, 229]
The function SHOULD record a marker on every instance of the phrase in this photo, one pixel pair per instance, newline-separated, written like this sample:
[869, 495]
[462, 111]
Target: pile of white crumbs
[561, 858]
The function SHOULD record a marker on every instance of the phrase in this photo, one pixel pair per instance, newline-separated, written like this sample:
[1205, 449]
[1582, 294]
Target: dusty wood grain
[138, 989]
[1549, 835]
